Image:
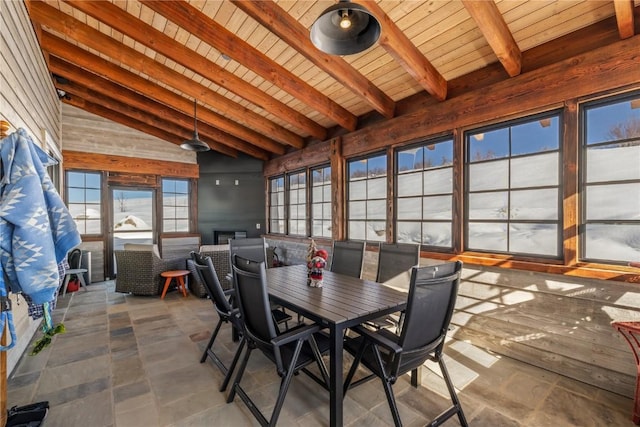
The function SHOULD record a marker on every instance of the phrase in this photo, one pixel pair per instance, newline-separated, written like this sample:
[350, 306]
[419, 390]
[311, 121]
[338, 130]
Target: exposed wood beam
[495, 30]
[142, 116]
[94, 39]
[398, 45]
[129, 165]
[208, 30]
[610, 66]
[97, 65]
[279, 22]
[115, 91]
[131, 26]
[624, 17]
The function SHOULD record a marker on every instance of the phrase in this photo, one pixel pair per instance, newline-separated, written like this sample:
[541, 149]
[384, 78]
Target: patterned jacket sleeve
[36, 229]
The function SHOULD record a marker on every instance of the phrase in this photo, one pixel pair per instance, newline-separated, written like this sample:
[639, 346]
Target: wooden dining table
[341, 302]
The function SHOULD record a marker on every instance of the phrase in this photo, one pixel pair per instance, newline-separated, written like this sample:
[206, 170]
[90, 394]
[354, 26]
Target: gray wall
[227, 206]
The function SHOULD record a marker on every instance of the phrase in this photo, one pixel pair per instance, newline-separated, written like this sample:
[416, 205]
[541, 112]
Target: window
[175, 205]
[424, 194]
[84, 201]
[367, 198]
[513, 187]
[611, 180]
[54, 171]
[321, 202]
[276, 205]
[297, 203]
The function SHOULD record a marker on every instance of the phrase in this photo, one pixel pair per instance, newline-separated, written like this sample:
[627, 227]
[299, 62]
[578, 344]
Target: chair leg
[65, 284]
[354, 367]
[284, 384]
[236, 357]
[82, 282]
[388, 390]
[209, 350]
[319, 361]
[236, 382]
[456, 408]
[210, 343]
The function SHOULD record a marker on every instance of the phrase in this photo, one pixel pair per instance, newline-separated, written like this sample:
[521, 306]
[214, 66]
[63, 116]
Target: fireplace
[221, 237]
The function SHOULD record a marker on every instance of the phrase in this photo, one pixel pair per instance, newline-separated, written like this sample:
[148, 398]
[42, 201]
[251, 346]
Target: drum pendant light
[194, 144]
[344, 29]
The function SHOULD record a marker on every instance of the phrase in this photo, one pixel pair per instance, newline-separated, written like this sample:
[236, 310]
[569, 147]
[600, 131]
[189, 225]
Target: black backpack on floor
[28, 415]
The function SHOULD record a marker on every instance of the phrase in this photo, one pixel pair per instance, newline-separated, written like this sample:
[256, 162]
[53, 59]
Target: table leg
[335, 376]
[182, 285]
[167, 282]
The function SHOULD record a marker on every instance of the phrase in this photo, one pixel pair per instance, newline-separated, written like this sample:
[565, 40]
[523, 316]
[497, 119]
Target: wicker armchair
[139, 271]
[219, 254]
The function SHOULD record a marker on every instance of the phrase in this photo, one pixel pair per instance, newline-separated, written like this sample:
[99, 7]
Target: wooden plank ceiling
[261, 86]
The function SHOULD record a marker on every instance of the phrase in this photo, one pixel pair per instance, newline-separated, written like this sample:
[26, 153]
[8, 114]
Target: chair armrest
[378, 338]
[231, 295]
[295, 334]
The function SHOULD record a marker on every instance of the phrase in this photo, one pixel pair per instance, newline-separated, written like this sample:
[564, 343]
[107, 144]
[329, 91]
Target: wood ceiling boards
[262, 88]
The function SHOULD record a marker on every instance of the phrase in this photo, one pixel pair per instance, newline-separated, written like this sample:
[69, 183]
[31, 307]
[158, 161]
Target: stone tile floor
[134, 361]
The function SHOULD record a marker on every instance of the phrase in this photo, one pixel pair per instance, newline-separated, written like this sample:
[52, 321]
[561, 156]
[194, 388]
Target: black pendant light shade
[344, 29]
[194, 144]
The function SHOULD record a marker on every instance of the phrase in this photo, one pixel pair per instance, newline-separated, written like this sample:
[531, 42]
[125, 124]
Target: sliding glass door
[133, 218]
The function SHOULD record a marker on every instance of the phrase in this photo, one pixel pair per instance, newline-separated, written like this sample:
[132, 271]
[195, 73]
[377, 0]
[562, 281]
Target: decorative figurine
[316, 268]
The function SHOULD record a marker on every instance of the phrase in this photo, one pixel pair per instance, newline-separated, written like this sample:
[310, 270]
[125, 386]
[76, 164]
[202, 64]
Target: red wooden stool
[179, 275]
[631, 332]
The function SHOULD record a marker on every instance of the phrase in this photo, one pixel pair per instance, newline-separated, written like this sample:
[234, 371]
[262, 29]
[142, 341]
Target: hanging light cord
[195, 119]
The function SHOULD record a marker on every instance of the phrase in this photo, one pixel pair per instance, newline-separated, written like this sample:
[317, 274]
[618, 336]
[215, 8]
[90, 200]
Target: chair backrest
[253, 301]
[209, 277]
[254, 249]
[430, 304]
[197, 257]
[347, 257]
[395, 259]
[74, 258]
[143, 247]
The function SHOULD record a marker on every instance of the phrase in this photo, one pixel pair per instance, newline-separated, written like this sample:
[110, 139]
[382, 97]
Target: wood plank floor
[134, 361]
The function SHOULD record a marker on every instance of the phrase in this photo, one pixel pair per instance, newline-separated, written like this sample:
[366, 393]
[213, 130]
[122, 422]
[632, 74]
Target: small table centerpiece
[316, 263]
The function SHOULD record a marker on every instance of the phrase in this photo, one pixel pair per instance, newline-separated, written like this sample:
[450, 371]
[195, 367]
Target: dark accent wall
[227, 206]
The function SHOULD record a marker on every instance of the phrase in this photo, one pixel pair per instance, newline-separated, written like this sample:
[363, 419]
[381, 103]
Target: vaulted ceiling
[263, 89]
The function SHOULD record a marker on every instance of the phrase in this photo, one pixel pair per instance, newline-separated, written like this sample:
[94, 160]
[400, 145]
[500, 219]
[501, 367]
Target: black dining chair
[291, 352]
[347, 257]
[395, 261]
[223, 304]
[255, 249]
[430, 305]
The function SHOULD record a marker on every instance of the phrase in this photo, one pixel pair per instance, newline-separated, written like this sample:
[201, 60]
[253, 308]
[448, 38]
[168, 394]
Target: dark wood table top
[342, 301]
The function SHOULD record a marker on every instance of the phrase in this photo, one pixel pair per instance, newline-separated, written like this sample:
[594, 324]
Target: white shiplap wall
[27, 96]
[27, 100]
